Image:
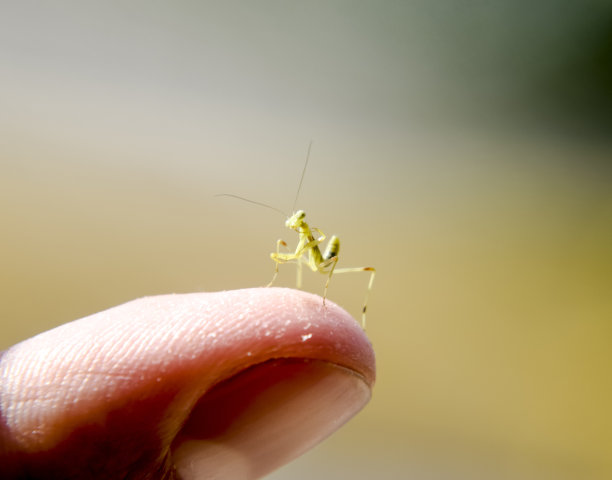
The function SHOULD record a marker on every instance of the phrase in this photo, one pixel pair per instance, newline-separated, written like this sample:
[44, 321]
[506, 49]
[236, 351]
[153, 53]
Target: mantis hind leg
[372, 271]
[322, 267]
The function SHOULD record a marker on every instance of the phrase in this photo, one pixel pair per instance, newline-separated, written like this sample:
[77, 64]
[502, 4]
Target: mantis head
[296, 220]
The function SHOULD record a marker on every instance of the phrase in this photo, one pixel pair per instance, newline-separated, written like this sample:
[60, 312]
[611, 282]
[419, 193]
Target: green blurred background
[462, 148]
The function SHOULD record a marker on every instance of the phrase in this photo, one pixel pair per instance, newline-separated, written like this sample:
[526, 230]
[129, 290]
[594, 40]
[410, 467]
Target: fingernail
[266, 416]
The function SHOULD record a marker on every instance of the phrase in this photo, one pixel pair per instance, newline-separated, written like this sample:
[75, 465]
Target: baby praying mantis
[307, 251]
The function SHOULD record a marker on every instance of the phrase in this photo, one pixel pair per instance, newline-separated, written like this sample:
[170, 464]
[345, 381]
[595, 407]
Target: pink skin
[225, 385]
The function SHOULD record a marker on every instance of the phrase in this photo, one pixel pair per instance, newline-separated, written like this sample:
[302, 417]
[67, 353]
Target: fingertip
[135, 375]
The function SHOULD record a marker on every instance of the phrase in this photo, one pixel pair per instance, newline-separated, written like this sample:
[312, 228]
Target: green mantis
[307, 251]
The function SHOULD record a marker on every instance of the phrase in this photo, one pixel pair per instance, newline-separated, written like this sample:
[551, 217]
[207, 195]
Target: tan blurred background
[461, 148]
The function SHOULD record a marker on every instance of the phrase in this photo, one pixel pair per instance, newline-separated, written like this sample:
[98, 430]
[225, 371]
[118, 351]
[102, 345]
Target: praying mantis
[308, 252]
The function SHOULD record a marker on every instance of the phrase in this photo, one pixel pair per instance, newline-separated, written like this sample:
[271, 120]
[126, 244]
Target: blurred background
[461, 148]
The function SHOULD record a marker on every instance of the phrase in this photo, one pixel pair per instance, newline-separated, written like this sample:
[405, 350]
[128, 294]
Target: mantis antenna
[297, 194]
[251, 201]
